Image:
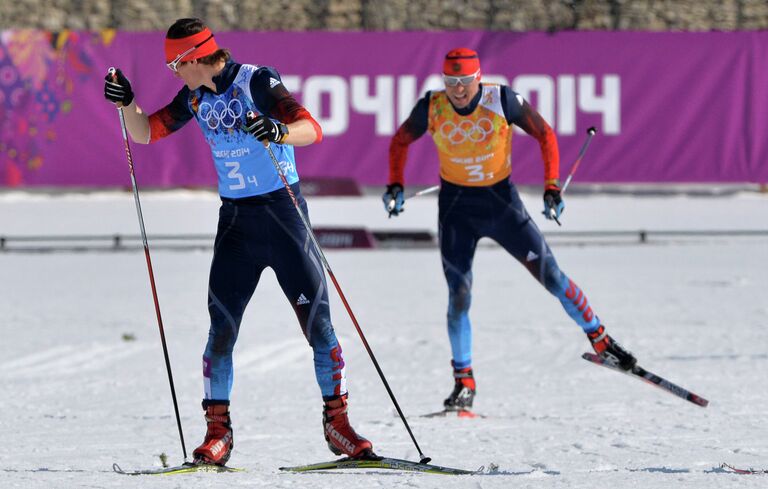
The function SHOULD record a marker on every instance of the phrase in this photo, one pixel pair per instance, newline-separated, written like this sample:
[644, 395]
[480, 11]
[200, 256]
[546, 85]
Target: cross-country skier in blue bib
[258, 223]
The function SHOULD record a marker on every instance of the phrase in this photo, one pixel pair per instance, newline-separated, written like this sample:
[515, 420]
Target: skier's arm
[137, 123]
[303, 132]
[117, 89]
[412, 129]
[170, 118]
[272, 98]
[519, 112]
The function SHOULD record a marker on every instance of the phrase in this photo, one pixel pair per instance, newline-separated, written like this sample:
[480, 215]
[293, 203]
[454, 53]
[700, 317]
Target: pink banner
[669, 107]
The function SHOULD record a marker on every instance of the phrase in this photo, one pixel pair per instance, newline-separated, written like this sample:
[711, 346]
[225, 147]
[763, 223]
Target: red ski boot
[611, 350]
[341, 437]
[218, 443]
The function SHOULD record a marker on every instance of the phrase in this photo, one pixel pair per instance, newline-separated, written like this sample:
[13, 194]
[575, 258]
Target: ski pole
[428, 190]
[425, 191]
[590, 133]
[424, 458]
[149, 269]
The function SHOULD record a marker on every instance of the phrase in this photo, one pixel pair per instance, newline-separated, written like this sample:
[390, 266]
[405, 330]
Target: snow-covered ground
[78, 395]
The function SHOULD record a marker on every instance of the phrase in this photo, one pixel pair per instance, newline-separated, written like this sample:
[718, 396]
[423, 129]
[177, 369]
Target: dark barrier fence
[355, 238]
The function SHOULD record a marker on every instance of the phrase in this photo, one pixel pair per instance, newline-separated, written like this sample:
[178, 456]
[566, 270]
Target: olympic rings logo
[466, 130]
[220, 113]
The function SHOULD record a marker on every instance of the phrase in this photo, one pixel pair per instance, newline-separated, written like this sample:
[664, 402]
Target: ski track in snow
[70, 359]
[78, 396]
[267, 358]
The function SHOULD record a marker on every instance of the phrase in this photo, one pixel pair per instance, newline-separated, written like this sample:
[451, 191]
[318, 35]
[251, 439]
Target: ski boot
[606, 347]
[218, 443]
[464, 390]
[339, 434]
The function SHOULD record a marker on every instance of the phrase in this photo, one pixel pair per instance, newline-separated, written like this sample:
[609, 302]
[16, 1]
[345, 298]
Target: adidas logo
[273, 82]
[531, 256]
[465, 394]
[302, 300]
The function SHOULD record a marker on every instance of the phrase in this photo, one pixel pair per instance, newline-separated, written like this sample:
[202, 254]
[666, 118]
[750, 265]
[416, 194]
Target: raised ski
[640, 373]
[736, 470]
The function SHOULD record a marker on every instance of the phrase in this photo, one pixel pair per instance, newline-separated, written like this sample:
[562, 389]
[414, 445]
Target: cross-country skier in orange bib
[471, 125]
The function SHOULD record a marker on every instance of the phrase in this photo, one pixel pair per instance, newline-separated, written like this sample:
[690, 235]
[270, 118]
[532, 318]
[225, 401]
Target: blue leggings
[255, 233]
[467, 214]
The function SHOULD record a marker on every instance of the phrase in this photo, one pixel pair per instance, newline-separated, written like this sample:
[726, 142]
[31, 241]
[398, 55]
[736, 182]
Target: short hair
[189, 26]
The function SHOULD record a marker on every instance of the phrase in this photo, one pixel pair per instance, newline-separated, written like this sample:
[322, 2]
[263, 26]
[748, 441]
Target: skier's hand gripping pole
[394, 199]
[424, 459]
[114, 75]
[553, 202]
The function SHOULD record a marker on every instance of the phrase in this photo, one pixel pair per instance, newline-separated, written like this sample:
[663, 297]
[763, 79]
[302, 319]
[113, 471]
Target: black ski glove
[393, 199]
[265, 129]
[117, 88]
[553, 202]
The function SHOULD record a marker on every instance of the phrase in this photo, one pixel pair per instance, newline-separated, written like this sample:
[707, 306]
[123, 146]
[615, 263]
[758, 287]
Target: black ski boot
[464, 390]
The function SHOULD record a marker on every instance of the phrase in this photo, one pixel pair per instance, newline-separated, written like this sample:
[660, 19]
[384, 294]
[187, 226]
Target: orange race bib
[474, 149]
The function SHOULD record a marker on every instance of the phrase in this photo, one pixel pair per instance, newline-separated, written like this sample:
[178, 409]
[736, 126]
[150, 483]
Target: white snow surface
[77, 396]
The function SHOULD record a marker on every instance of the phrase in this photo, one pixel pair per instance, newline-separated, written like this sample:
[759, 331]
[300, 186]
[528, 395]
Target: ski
[731, 468]
[184, 468]
[650, 378]
[459, 413]
[378, 463]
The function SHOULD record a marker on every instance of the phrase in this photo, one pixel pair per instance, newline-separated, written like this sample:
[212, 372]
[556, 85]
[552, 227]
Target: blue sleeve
[273, 99]
[267, 89]
[512, 104]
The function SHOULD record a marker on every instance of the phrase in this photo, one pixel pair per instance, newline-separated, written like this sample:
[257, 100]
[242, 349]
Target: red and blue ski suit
[258, 223]
[477, 199]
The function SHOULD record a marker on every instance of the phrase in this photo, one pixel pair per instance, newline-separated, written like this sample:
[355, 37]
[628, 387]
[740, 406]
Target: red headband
[174, 47]
[461, 61]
